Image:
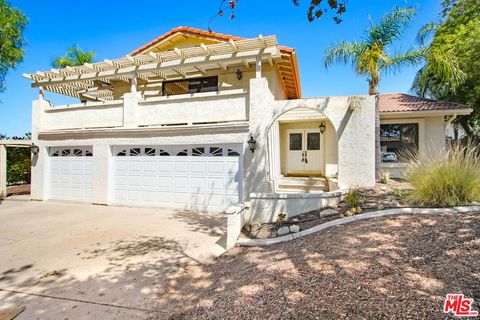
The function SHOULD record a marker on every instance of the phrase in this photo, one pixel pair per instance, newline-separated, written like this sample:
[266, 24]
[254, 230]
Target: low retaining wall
[364, 216]
[237, 217]
[265, 207]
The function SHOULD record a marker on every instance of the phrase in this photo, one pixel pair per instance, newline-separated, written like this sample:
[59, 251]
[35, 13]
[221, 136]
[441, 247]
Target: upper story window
[206, 84]
[398, 141]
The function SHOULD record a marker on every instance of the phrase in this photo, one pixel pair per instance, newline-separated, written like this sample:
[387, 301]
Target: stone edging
[363, 216]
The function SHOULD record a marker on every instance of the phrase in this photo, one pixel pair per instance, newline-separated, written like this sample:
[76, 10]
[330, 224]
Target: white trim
[426, 113]
[229, 127]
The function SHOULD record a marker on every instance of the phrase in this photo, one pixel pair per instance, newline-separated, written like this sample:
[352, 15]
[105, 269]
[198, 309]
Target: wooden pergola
[3, 161]
[96, 81]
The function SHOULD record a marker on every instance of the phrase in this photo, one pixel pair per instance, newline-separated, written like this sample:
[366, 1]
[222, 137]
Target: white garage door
[205, 178]
[70, 173]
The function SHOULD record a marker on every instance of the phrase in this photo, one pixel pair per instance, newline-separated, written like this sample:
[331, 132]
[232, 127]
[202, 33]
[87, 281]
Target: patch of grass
[448, 179]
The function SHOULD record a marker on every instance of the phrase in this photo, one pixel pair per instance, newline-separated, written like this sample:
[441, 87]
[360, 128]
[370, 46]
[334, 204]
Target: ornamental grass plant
[446, 179]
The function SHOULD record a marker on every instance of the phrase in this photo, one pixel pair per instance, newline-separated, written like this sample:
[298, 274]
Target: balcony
[134, 111]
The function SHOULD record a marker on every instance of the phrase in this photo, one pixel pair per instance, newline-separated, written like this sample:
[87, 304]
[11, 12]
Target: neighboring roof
[401, 102]
[288, 70]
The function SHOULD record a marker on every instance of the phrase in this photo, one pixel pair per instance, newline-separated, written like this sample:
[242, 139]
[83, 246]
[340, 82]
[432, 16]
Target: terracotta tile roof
[226, 37]
[401, 102]
[193, 31]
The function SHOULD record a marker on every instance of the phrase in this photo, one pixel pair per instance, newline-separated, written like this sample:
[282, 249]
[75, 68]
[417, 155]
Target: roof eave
[410, 114]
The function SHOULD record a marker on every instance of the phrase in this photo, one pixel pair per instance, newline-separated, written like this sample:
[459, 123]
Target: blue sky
[114, 28]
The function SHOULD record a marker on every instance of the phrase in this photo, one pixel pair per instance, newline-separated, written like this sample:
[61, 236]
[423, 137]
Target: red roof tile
[401, 102]
[193, 31]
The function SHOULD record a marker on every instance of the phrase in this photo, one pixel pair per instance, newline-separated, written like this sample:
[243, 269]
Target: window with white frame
[398, 141]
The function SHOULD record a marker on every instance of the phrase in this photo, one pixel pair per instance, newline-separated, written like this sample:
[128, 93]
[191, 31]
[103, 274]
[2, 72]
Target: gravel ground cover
[397, 267]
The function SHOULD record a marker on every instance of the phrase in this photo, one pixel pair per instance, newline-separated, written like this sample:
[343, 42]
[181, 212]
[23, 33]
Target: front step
[302, 185]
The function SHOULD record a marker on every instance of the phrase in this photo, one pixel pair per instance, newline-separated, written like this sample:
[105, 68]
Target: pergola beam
[130, 71]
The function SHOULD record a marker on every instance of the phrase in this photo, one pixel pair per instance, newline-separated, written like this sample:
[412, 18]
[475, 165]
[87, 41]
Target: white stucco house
[197, 120]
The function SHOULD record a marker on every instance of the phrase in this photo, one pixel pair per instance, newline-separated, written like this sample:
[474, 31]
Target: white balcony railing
[207, 107]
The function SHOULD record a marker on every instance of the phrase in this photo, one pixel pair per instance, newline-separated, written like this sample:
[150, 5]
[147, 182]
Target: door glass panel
[295, 141]
[313, 141]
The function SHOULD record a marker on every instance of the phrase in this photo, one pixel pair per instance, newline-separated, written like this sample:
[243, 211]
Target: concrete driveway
[73, 261]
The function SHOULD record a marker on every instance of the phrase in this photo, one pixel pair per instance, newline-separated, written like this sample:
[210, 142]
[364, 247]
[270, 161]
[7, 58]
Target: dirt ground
[18, 189]
[386, 268]
[383, 196]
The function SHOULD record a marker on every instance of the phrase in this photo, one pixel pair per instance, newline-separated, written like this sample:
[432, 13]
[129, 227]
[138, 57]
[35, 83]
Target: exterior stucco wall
[353, 120]
[227, 80]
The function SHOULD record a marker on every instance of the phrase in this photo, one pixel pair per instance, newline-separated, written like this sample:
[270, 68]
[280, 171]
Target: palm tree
[74, 57]
[371, 58]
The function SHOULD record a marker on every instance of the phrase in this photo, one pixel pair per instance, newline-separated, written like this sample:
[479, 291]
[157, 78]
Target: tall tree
[371, 57]
[316, 9]
[74, 56]
[12, 25]
[452, 68]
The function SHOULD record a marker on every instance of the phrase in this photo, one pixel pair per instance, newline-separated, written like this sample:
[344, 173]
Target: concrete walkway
[79, 261]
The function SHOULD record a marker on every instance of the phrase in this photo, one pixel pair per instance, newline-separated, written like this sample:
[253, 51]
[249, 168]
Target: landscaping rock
[384, 188]
[380, 207]
[294, 228]
[283, 231]
[328, 212]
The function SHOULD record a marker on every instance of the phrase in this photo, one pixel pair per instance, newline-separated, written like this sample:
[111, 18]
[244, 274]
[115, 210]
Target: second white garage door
[205, 178]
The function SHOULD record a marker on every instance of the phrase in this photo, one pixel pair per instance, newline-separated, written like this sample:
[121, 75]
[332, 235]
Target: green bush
[18, 165]
[353, 198]
[448, 179]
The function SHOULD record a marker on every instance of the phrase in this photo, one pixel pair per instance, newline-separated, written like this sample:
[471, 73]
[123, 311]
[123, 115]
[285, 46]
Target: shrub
[281, 217]
[18, 165]
[448, 179]
[385, 177]
[353, 198]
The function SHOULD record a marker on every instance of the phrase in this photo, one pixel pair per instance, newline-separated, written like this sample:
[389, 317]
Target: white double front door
[304, 152]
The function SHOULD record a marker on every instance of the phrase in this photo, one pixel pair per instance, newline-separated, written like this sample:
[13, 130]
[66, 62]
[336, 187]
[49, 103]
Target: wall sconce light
[239, 74]
[34, 149]
[252, 144]
[322, 128]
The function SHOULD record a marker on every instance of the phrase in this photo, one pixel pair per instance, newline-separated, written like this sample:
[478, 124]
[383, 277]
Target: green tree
[12, 25]
[316, 9]
[452, 54]
[74, 56]
[371, 58]
[18, 161]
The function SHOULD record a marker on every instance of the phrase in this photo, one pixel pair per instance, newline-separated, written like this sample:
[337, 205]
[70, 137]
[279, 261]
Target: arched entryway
[303, 149]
